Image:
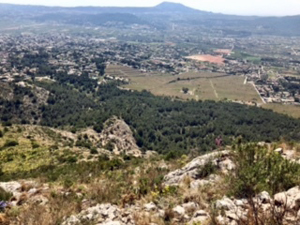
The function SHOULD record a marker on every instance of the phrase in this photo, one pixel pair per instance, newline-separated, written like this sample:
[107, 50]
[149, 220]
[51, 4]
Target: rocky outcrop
[25, 192]
[285, 205]
[199, 217]
[220, 159]
[101, 214]
[118, 138]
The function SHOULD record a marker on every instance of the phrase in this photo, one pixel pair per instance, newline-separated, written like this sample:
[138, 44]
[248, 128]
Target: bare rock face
[220, 159]
[118, 138]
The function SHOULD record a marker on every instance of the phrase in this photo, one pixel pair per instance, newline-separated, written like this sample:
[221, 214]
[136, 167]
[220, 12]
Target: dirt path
[196, 96]
[258, 93]
[215, 91]
[294, 51]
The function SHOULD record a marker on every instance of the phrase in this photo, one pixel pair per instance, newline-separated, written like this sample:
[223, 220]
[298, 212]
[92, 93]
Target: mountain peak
[175, 7]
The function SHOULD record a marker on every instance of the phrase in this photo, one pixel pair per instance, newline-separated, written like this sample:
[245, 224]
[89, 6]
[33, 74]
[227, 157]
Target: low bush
[5, 196]
[10, 143]
[207, 169]
[261, 170]
[34, 145]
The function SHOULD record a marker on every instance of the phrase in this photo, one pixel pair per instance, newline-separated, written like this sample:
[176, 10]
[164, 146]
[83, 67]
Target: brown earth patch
[208, 58]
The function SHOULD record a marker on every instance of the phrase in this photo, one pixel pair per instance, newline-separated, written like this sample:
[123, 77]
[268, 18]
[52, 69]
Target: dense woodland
[161, 124]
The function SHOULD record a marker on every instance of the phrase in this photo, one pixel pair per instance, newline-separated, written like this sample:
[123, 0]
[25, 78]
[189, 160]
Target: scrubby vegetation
[259, 169]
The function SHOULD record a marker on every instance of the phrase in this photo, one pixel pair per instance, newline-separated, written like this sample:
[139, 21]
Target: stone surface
[119, 135]
[102, 214]
[234, 211]
[264, 197]
[150, 207]
[12, 186]
[190, 206]
[192, 168]
[179, 210]
[150, 154]
[199, 217]
[225, 203]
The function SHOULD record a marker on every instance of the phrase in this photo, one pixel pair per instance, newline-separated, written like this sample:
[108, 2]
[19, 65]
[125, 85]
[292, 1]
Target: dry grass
[201, 85]
[52, 213]
[147, 219]
[291, 110]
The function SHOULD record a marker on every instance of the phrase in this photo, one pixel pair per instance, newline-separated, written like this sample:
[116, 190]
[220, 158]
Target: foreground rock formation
[219, 159]
[118, 137]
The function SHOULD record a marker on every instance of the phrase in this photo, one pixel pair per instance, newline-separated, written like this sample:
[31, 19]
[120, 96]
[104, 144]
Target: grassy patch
[291, 110]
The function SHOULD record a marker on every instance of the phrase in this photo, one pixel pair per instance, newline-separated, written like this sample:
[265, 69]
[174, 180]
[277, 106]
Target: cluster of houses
[76, 55]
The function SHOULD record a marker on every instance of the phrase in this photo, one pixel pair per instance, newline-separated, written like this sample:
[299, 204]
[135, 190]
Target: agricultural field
[291, 110]
[200, 86]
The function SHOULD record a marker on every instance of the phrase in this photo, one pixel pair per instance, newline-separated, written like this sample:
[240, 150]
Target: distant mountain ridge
[165, 7]
[161, 16]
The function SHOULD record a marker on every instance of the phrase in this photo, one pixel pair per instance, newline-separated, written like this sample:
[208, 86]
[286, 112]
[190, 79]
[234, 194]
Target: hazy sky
[241, 7]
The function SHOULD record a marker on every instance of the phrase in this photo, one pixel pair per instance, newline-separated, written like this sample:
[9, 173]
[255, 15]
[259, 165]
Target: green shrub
[10, 143]
[109, 146]
[207, 169]
[84, 143]
[34, 145]
[7, 124]
[4, 196]
[260, 170]
[68, 183]
[93, 151]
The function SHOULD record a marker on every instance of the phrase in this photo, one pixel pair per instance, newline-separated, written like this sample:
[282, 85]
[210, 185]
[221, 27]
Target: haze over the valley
[237, 7]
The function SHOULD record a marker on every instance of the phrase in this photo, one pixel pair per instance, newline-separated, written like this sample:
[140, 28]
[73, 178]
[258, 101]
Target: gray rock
[190, 206]
[150, 207]
[279, 150]
[101, 214]
[179, 210]
[12, 186]
[200, 213]
[226, 165]
[112, 223]
[226, 204]
[280, 199]
[150, 154]
[192, 168]
[264, 197]
[199, 217]
[119, 134]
